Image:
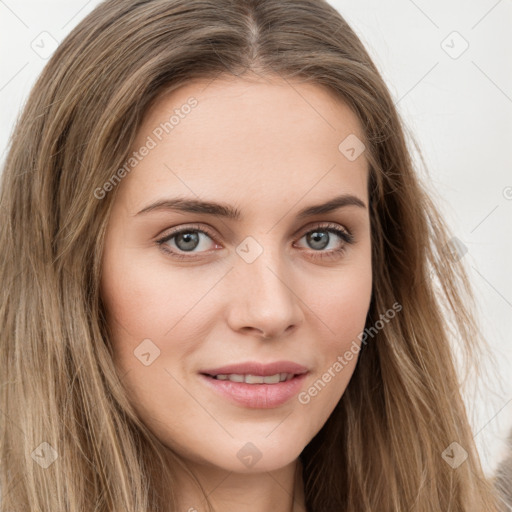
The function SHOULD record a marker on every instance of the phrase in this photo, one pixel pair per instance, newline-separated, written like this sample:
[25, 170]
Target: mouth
[254, 379]
[256, 386]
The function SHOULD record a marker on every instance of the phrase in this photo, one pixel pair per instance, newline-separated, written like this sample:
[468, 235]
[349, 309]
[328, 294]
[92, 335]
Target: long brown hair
[385, 445]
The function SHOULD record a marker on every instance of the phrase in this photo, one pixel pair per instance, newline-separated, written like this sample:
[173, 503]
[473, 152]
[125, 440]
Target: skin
[270, 148]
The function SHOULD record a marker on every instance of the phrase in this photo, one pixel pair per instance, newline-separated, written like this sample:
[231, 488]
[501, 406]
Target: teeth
[256, 379]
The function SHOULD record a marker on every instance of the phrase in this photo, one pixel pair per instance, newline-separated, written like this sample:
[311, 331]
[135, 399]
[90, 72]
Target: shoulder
[503, 476]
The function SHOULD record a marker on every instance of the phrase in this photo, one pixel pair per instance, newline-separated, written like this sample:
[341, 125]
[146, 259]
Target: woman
[175, 334]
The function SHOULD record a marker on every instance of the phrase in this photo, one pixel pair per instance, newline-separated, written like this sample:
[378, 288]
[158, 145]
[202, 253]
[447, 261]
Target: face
[234, 310]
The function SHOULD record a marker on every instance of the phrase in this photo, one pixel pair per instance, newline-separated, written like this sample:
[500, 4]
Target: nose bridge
[262, 268]
[263, 294]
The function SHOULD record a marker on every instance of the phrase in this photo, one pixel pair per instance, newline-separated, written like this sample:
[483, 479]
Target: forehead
[248, 139]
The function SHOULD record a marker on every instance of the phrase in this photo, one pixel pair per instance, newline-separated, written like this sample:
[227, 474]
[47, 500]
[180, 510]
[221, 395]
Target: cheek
[148, 300]
[342, 303]
[142, 308]
[342, 308]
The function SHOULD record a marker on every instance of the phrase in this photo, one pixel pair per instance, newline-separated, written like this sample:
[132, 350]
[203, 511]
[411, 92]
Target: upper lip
[255, 368]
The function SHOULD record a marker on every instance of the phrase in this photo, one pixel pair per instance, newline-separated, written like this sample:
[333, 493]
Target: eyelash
[346, 236]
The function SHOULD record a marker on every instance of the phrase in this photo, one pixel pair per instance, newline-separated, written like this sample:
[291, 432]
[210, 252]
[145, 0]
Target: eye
[322, 236]
[185, 240]
[188, 239]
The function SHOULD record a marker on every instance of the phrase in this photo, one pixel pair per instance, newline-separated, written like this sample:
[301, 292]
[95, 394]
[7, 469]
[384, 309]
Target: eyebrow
[229, 212]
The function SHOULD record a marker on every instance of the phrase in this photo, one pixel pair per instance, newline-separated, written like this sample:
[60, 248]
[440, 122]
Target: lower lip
[257, 396]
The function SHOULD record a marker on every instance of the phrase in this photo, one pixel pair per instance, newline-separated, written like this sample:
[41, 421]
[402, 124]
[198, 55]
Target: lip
[257, 396]
[255, 368]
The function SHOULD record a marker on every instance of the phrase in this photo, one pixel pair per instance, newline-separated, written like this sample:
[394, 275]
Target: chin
[253, 455]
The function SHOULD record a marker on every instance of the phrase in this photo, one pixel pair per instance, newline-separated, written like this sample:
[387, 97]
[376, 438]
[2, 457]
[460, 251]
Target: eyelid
[324, 225]
[304, 230]
[189, 227]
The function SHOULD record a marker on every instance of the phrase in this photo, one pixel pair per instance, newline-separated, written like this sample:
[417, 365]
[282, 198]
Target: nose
[262, 299]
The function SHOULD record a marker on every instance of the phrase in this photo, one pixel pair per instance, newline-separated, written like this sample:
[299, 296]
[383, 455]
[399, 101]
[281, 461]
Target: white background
[459, 110]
